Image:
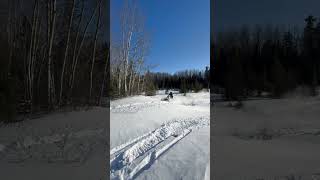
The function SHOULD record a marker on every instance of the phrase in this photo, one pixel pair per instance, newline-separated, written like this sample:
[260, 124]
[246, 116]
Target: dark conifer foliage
[271, 59]
[185, 81]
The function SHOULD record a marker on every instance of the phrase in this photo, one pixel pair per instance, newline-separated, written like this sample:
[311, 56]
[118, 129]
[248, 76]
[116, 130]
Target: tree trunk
[130, 80]
[81, 44]
[51, 19]
[66, 52]
[119, 82]
[75, 50]
[104, 78]
[139, 79]
[133, 81]
[127, 49]
[94, 53]
[30, 64]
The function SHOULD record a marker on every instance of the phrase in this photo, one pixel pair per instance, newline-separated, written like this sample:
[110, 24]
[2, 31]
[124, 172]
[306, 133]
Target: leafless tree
[66, 50]
[94, 52]
[51, 10]
[76, 58]
[130, 50]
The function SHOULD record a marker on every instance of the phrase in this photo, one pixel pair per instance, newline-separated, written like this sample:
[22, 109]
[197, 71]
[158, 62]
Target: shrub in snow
[236, 104]
[301, 91]
[197, 87]
[150, 88]
[183, 88]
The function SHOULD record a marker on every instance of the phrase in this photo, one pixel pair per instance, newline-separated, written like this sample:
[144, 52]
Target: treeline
[185, 81]
[267, 59]
[54, 53]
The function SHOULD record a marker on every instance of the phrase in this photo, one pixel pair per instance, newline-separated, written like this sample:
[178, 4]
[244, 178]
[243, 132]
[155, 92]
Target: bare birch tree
[94, 52]
[34, 42]
[33, 57]
[51, 5]
[132, 45]
[104, 77]
[80, 47]
[66, 50]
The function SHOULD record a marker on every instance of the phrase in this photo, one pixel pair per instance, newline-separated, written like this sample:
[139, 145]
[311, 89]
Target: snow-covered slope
[60, 146]
[154, 139]
[267, 139]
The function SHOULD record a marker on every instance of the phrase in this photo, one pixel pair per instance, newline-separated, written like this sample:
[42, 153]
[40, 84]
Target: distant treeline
[267, 59]
[184, 80]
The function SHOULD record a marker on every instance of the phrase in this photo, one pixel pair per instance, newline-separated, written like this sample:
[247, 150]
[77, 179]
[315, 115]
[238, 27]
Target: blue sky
[180, 32]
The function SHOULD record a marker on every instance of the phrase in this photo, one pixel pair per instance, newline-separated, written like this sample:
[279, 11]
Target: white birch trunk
[66, 52]
[94, 53]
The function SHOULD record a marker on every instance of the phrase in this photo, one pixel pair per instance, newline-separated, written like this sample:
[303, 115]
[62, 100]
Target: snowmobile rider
[171, 95]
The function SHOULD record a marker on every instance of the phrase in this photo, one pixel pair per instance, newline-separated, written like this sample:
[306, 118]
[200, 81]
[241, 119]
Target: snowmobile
[170, 96]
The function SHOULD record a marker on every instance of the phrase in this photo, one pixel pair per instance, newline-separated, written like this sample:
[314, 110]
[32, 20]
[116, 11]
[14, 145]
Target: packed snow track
[156, 139]
[129, 159]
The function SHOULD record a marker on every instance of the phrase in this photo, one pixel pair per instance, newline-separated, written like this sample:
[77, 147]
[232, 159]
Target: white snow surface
[154, 139]
[291, 127]
[64, 146]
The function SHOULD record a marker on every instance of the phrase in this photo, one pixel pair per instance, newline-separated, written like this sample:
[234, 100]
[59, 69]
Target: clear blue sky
[180, 32]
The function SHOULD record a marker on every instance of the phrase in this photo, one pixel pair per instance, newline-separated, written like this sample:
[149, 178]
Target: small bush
[183, 88]
[150, 90]
[235, 104]
[197, 87]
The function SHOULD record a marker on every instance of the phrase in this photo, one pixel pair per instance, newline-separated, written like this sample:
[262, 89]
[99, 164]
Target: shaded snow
[267, 139]
[70, 145]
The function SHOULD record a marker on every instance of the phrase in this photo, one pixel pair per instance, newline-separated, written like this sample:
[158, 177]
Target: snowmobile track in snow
[131, 158]
[135, 107]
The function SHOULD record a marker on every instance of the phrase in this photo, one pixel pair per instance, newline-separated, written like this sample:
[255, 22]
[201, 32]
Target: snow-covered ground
[60, 146]
[154, 139]
[267, 139]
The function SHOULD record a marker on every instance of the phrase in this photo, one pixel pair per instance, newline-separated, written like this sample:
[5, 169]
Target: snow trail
[146, 146]
[135, 107]
[155, 154]
[152, 129]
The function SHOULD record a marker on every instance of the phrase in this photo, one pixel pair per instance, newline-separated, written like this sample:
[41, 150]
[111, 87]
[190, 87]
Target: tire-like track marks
[148, 147]
[135, 107]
